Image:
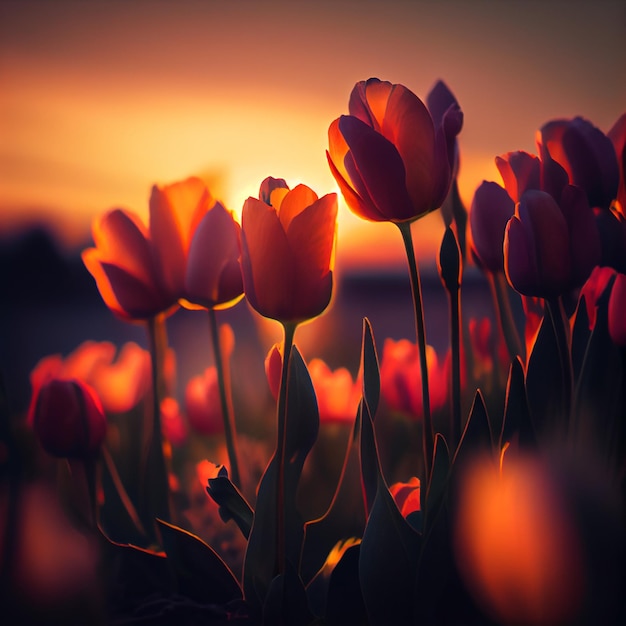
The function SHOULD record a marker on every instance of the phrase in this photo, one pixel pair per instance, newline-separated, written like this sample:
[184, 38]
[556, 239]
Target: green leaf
[389, 549]
[231, 502]
[345, 516]
[371, 371]
[580, 336]
[200, 572]
[597, 416]
[302, 424]
[118, 518]
[344, 600]
[286, 601]
[433, 496]
[544, 382]
[476, 438]
[517, 424]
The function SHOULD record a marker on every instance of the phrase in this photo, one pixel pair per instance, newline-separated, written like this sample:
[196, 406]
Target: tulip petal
[267, 261]
[214, 246]
[368, 102]
[519, 264]
[490, 211]
[409, 127]
[377, 164]
[311, 237]
[519, 171]
[294, 202]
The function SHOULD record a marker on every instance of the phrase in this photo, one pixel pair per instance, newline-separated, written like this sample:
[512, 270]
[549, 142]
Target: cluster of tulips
[514, 512]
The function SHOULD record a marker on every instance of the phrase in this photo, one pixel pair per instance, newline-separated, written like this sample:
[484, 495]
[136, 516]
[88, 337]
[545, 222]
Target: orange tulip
[392, 159]
[202, 403]
[120, 383]
[124, 267]
[68, 418]
[287, 253]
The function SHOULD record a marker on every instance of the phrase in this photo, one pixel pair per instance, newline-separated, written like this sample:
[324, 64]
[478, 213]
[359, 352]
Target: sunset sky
[99, 100]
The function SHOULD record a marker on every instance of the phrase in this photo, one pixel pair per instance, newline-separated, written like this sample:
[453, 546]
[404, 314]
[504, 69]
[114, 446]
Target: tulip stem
[223, 381]
[416, 290]
[281, 439]
[155, 468]
[499, 291]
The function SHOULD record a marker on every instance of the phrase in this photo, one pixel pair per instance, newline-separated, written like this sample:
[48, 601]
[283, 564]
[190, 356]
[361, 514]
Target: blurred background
[99, 100]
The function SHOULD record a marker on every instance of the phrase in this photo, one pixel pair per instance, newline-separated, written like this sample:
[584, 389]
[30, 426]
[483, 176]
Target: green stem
[155, 467]
[499, 290]
[416, 290]
[555, 311]
[225, 400]
[289, 331]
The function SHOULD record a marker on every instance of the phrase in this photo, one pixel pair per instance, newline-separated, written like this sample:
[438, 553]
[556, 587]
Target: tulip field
[445, 447]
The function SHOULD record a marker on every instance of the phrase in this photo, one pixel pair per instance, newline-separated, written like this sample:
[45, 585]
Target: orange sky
[99, 100]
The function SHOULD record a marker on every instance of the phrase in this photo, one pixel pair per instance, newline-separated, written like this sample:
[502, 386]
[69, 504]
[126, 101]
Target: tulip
[202, 403]
[407, 496]
[617, 311]
[392, 159]
[175, 213]
[536, 247]
[491, 209]
[124, 268]
[520, 171]
[287, 253]
[68, 419]
[213, 276]
[400, 375]
[587, 155]
[617, 135]
[120, 383]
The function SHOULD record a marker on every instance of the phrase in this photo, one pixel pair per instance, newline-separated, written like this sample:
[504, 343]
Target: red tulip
[617, 311]
[491, 209]
[287, 253]
[587, 155]
[123, 265]
[391, 158]
[68, 418]
[537, 247]
[213, 276]
[407, 496]
[520, 171]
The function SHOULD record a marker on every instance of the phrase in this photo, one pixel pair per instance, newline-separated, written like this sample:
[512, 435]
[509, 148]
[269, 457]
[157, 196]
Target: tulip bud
[68, 419]
[491, 209]
[536, 247]
[450, 268]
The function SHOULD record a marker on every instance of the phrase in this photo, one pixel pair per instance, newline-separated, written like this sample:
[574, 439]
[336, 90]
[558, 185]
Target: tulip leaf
[118, 518]
[389, 549]
[433, 496]
[516, 423]
[200, 572]
[286, 601]
[544, 382]
[345, 516]
[344, 600]
[370, 368]
[597, 414]
[232, 504]
[580, 336]
[476, 438]
[302, 424]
